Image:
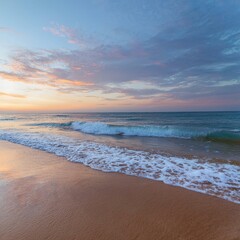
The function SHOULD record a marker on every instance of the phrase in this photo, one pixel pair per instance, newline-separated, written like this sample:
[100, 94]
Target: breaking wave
[101, 128]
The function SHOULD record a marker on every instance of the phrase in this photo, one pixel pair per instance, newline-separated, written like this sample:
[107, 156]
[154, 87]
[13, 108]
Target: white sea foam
[221, 180]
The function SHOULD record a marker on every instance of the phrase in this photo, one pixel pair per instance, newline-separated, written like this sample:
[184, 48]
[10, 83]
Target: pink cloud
[70, 34]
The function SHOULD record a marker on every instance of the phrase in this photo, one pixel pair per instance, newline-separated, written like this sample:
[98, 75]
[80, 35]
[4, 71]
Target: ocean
[199, 151]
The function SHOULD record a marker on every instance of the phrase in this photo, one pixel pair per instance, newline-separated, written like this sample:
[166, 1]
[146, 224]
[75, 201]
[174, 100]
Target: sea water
[199, 151]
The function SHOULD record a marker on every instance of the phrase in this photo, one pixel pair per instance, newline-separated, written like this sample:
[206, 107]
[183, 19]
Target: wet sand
[44, 197]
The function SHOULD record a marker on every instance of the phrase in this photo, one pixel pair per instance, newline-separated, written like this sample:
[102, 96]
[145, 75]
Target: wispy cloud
[11, 95]
[6, 29]
[72, 35]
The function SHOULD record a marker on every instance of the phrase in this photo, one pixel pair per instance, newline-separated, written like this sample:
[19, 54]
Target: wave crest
[101, 128]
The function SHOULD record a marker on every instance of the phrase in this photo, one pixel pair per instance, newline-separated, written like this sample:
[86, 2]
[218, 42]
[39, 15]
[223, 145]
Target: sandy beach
[45, 197]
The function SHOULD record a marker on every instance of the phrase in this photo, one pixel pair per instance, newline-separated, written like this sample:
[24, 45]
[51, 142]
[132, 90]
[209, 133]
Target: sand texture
[45, 197]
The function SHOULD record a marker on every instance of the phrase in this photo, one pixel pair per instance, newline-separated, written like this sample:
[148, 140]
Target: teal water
[214, 134]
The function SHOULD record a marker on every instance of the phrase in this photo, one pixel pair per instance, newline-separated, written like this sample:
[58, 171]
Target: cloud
[72, 36]
[10, 30]
[194, 58]
[4, 29]
[12, 95]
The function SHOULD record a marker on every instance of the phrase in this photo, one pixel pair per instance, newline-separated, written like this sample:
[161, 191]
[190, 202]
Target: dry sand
[46, 197]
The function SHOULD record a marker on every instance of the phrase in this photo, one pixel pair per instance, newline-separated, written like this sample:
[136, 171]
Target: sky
[125, 55]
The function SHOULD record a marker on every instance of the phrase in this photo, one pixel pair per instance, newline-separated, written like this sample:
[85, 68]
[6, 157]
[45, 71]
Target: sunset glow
[119, 56]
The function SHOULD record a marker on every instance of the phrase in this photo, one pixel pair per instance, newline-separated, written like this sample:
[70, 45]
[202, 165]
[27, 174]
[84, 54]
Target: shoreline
[47, 197]
[215, 179]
